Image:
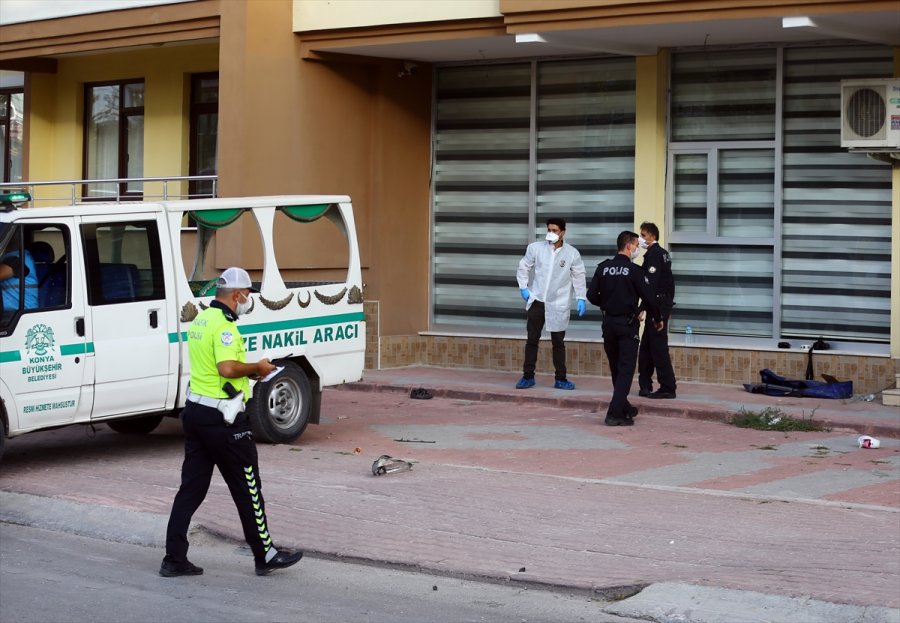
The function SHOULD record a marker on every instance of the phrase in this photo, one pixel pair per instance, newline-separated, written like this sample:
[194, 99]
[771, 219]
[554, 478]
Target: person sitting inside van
[14, 266]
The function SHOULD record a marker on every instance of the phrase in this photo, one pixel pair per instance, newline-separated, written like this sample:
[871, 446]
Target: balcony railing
[69, 192]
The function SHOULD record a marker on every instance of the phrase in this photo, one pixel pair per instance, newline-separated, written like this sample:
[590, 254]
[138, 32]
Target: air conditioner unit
[870, 114]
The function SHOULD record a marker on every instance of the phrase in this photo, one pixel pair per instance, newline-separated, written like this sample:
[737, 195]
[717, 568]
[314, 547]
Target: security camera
[408, 69]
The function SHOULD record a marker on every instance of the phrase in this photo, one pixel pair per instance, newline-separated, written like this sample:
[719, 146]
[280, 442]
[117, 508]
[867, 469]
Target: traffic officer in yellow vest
[219, 387]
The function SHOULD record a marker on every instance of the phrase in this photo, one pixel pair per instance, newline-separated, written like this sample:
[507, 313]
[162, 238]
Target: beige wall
[318, 15]
[55, 121]
[650, 139]
[303, 127]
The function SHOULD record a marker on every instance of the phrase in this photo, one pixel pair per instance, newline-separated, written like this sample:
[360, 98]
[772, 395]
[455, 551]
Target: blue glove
[525, 294]
[581, 307]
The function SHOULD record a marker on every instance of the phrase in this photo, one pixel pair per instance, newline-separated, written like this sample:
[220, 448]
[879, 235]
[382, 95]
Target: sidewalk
[701, 401]
[529, 487]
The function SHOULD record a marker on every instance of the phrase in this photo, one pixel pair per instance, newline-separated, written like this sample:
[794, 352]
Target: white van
[98, 334]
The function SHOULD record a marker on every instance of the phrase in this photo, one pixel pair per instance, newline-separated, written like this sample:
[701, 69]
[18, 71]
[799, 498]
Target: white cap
[235, 278]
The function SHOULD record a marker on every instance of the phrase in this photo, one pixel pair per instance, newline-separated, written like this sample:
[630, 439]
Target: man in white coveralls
[547, 274]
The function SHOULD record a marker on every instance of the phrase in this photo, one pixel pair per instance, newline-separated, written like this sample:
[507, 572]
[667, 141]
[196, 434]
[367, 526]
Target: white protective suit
[550, 274]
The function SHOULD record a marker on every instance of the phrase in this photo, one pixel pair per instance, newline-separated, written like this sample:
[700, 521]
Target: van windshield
[6, 232]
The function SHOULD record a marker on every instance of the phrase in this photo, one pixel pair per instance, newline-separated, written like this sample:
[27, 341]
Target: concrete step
[891, 397]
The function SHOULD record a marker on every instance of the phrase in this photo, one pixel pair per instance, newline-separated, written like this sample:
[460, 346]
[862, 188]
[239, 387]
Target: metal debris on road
[389, 465]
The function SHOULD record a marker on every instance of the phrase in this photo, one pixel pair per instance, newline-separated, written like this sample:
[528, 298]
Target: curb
[594, 405]
[669, 601]
[147, 529]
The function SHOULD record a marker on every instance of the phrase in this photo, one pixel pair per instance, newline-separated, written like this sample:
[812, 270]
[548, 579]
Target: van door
[125, 273]
[44, 342]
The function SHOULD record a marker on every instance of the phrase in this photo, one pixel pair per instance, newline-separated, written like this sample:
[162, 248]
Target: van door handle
[154, 320]
[79, 327]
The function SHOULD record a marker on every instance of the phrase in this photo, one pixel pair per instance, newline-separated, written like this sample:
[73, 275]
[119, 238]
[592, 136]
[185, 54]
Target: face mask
[643, 243]
[635, 253]
[552, 237]
[243, 307]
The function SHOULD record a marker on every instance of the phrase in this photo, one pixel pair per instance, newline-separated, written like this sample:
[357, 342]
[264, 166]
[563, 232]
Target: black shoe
[619, 421]
[631, 411]
[280, 560]
[644, 393]
[169, 569]
[662, 394]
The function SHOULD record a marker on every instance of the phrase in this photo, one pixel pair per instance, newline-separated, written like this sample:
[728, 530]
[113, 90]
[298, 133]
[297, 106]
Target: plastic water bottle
[688, 335]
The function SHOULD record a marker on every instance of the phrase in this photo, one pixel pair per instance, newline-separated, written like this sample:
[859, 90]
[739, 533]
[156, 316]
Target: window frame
[124, 112]
[196, 110]
[710, 236]
[6, 122]
[21, 230]
[91, 251]
[522, 227]
[712, 149]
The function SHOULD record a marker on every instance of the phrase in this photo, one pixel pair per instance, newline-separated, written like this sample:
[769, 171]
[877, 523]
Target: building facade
[460, 126]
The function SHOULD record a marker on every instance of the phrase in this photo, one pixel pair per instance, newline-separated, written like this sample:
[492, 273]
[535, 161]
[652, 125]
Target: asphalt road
[55, 577]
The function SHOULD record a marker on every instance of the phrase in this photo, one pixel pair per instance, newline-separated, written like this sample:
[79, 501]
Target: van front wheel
[279, 410]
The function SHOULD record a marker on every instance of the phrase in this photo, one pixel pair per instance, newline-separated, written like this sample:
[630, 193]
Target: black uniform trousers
[620, 342]
[654, 354]
[209, 443]
[534, 326]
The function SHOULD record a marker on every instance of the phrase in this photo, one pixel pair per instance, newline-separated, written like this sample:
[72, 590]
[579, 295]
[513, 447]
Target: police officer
[615, 288]
[217, 357]
[654, 350]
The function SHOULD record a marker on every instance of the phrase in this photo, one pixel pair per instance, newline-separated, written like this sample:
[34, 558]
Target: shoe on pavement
[619, 421]
[644, 393]
[662, 394]
[564, 385]
[631, 411]
[170, 569]
[280, 560]
[525, 383]
[420, 393]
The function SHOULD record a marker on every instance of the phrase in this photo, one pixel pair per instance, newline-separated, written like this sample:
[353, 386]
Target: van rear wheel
[136, 425]
[279, 409]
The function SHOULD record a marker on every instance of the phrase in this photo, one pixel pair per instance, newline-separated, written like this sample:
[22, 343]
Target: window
[123, 262]
[12, 126]
[481, 190]
[204, 132]
[775, 231]
[114, 138]
[585, 152]
[45, 270]
[836, 232]
[513, 145]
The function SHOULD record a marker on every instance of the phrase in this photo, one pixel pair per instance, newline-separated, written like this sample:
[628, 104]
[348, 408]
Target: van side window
[49, 248]
[34, 271]
[123, 262]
